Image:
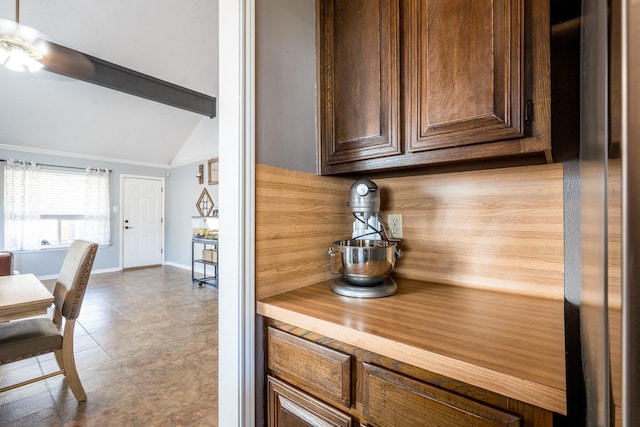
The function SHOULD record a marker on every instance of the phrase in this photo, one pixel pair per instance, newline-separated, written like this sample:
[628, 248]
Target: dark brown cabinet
[289, 407]
[465, 77]
[406, 83]
[358, 77]
[310, 366]
[314, 380]
[391, 399]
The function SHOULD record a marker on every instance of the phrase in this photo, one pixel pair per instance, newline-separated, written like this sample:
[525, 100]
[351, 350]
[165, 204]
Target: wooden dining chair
[6, 263]
[23, 339]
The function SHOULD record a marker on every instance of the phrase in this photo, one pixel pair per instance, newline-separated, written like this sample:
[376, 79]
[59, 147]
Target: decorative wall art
[213, 171]
[200, 174]
[205, 203]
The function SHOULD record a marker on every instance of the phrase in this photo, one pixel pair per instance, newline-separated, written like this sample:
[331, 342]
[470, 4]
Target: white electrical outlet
[394, 226]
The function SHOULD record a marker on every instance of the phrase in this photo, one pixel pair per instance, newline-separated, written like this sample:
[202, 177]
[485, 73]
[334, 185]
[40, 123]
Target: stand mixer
[364, 201]
[365, 262]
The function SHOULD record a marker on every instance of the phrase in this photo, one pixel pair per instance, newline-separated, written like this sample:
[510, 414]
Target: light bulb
[17, 53]
[19, 61]
[32, 64]
[16, 61]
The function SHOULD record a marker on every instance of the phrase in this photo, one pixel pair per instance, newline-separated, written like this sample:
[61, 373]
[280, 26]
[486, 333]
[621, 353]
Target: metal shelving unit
[205, 279]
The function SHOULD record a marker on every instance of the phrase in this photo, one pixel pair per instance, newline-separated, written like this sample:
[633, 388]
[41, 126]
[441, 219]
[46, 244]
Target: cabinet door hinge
[528, 113]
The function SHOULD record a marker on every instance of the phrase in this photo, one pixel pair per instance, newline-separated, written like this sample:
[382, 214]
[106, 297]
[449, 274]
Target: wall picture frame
[213, 172]
[204, 203]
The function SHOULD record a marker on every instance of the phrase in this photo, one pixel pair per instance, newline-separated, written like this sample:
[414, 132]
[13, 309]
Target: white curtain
[22, 206]
[97, 217]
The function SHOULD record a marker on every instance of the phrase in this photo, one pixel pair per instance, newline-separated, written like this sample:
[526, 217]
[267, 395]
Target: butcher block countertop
[506, 343]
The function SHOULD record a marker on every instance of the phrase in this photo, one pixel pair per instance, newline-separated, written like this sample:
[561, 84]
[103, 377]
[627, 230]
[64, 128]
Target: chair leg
[59, 359]
[71, 374]
[57, 320]
[69, 363]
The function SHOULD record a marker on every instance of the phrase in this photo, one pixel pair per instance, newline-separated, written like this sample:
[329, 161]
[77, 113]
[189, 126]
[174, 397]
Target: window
[47, 207]
[62, 207]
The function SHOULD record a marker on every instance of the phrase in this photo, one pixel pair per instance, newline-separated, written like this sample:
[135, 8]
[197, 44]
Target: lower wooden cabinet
[290, 407]
[391, 400]
[310, 366]
[317, 381]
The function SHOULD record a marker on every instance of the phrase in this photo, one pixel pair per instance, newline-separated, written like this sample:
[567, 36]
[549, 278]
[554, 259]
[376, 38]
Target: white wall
[203, 142]
[183, 191]
[48, 262]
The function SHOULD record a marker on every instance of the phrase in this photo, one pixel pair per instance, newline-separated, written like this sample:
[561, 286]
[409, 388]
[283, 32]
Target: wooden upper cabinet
[408, 83]
[465, 72]
[358, 79]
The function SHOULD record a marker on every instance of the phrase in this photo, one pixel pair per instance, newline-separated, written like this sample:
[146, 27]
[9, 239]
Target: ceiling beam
[78, 65]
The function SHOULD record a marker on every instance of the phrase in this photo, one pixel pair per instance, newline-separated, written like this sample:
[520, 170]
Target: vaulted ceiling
[172, 40]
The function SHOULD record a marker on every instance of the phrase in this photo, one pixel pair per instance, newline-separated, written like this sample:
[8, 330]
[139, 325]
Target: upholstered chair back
[6, 263]
[74, 275]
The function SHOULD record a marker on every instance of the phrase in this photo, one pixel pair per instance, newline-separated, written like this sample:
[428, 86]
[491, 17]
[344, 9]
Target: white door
[142, 222]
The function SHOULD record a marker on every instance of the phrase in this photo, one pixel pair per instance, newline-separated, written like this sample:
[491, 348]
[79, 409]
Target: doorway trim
[121, 219]
[236, 377]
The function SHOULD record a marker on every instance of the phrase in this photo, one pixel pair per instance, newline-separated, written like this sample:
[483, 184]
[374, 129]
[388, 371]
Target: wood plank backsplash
[614, 222]
[499, 229]
[298, 216]
[614, 272]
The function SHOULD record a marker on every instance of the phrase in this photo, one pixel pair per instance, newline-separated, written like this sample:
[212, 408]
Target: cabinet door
[358, 80]
[465, 77]
[391, 399]
[290, 407]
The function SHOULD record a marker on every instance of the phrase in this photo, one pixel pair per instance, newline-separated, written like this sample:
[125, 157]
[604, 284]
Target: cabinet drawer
[310, 366]
[391, 400]
[291, 407]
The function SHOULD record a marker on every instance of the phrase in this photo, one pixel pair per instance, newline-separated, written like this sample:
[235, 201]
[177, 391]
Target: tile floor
[147, 354]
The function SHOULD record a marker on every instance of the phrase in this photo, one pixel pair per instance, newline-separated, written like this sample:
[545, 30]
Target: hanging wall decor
[213, 171]
[205, 203]
[200, 174]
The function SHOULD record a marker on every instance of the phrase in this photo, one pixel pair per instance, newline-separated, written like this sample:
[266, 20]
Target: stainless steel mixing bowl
[364, 262]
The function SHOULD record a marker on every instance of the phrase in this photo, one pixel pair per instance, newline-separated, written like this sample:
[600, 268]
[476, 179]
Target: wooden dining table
[23, 295]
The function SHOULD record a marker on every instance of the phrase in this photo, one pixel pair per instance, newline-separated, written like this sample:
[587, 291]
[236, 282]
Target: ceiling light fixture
[19, 50]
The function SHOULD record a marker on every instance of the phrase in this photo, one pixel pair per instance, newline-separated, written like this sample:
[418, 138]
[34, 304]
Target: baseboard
[175, 264]
[103, 270]
[114, 269]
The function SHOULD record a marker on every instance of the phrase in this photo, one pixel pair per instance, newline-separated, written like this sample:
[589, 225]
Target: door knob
[126, 227]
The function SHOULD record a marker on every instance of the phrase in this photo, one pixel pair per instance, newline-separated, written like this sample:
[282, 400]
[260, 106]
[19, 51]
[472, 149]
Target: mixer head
[364, 198]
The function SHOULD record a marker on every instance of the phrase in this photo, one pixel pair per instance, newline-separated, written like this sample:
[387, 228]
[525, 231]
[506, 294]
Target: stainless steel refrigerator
[610, 210]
